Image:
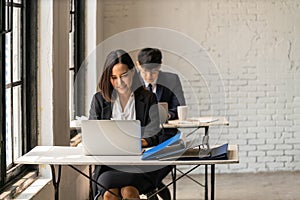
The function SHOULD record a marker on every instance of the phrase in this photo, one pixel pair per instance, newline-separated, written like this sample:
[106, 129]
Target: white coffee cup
[182, 112]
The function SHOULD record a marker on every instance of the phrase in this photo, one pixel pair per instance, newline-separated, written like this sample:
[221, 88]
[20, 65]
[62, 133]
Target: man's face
[149, 75]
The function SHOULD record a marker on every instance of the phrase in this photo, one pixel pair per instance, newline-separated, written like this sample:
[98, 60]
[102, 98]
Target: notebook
[111, 137]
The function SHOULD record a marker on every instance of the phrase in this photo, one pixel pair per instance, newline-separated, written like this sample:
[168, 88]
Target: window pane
[17, 123]
[71, 62]
[8, 127]
[16, 44]
[7, 58]
[71, 95]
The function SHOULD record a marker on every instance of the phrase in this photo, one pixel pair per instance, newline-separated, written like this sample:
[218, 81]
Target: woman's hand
[144, 143]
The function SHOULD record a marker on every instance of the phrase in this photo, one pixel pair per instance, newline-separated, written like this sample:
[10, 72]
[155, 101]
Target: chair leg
[153, 197]
[165, 193]
[98, 197]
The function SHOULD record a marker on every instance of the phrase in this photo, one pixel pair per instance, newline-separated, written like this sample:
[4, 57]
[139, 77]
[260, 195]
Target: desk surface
[190, 123]
[197, 122]
[62, 155]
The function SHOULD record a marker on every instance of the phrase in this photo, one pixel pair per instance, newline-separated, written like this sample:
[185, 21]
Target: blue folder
[171, 147]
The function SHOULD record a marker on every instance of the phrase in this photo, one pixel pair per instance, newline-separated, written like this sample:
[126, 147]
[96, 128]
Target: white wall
[255, 46]
[53, 91]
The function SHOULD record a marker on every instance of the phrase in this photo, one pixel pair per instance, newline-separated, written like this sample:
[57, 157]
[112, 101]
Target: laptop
[111, 137]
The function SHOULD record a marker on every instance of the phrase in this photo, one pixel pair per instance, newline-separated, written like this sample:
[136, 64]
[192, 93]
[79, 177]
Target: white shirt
[129, 110]
[153, 86]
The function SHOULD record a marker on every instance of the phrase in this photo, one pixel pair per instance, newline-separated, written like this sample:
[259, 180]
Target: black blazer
[146, 112]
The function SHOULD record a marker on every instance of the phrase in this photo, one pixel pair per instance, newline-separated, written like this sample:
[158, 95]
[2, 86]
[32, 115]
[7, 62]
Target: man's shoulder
[167, 76]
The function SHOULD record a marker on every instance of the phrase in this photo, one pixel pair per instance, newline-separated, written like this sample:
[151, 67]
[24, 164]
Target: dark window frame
[77, 17]
[28, 88]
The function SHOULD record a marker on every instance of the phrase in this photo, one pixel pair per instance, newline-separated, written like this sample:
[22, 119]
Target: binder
[216, 153]
[175, 148]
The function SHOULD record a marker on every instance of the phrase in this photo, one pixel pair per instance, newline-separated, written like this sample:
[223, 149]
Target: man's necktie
[149, 88]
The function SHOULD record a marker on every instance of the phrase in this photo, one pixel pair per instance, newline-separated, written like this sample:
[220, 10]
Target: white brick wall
[255, 45]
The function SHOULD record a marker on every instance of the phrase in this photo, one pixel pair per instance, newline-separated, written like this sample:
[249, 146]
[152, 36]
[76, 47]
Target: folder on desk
[220, 152]
[175, 149]
[216, 153]
[171, 147]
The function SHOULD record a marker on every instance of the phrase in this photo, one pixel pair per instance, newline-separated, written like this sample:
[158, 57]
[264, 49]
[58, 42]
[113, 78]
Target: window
[18, 85]
[77, 56]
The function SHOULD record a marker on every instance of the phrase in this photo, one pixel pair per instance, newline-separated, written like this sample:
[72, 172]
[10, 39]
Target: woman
[122, 96]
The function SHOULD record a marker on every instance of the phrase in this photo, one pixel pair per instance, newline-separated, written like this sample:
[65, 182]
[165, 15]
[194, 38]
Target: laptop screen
[111, 137]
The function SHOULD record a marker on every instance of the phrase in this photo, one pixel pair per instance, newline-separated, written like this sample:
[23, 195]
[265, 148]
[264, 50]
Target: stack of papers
[204, 119]
[195, 120]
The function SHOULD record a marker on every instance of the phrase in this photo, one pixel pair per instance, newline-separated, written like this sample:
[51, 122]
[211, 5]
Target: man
[166, 86]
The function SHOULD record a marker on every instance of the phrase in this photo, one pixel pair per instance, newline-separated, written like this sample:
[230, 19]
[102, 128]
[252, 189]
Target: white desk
[221, 121]
[201, 122]
[198, 122]
[71, 156]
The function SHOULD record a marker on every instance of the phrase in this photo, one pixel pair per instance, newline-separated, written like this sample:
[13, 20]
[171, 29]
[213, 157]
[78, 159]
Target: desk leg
[212, 176]
[205, 140]
[174, 182]
[91, 188]
[206, 130]
[206, 184]
[56, 181]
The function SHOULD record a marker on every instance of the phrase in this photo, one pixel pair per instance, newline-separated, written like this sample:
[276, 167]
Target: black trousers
[144, 178]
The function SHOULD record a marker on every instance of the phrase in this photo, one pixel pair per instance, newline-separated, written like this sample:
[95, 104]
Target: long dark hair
[113, 58]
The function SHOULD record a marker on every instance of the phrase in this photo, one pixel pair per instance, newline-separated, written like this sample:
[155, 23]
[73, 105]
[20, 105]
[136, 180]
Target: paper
[181, 122]
[194, 120]
[77, 122]
[204, 119]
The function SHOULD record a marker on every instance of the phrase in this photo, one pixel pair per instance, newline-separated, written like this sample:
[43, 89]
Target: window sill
[29, 185]
[75, 140]
[34, 189]
[19, 186]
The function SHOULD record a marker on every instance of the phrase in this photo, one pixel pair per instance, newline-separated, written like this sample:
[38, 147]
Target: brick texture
[255, 47]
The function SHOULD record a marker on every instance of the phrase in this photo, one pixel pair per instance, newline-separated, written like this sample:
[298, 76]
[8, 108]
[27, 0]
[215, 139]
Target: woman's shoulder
[98, 97]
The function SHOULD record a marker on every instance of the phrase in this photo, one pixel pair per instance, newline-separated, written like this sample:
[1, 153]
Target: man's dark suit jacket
[169, 90]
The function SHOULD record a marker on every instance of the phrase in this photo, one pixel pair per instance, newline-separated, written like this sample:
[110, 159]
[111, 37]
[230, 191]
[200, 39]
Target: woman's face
[121, 78]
